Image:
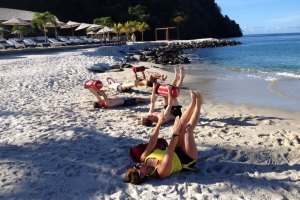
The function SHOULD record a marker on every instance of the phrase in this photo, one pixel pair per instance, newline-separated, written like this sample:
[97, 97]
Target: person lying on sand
[120, 87]
[105, 102]
[172, 102]
[182, 150]
[150, 80]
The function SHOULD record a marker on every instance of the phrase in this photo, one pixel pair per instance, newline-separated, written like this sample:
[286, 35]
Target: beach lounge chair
[41, 41]
[56, 43]
[30, 43]
[66, 40]
[6, 45]
[88, 40]
[14, 42]
[78, 41]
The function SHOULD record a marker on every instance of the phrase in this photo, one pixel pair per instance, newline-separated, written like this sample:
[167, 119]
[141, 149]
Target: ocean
[263, 71]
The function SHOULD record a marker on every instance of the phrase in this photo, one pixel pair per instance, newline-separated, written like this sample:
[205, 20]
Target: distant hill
[199, 18]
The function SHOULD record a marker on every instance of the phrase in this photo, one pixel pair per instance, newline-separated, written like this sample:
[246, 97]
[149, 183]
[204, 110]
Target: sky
[263, 16]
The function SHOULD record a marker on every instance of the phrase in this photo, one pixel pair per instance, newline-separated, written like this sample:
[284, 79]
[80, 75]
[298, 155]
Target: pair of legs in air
[186, 125]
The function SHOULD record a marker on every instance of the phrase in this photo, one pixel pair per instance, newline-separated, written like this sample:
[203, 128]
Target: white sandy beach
[55, 145]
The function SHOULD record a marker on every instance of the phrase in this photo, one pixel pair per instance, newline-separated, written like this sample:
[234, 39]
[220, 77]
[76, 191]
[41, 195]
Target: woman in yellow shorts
[181, 153]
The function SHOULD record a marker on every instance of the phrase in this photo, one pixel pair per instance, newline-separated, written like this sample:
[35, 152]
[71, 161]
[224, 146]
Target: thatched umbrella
[104, 30]
[16, 22]
[83, 26]
[58, 24]
[90, 33]
[71, 24]
[94, 27]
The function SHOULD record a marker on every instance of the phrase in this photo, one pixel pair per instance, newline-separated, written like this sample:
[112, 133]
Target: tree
[118, 29]
[41, 19]
[129, 27]
[139, 11]
[126, 29]
[105, 21]
[3, 30]
[18, 30]
[143, 26]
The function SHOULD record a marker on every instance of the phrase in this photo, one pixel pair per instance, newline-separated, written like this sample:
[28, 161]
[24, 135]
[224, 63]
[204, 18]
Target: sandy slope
[54, 145]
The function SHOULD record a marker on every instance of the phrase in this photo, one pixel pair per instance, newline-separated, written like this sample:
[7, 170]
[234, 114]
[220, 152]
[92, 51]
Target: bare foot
[192, 94]
[199, 97]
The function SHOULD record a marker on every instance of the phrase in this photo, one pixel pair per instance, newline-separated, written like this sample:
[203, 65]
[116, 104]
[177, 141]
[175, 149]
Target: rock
[126, 65]
[115, 66]
[172, 53]
[116, 70]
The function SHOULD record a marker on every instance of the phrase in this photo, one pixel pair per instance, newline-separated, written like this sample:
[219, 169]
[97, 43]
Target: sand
[55, 145]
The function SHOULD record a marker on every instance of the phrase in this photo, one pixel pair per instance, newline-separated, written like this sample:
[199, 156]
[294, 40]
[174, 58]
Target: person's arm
[153, 139]
[106, 99]
[143, 75]
[168, 109]
[164, 169]
[136, 77]
[152, 99]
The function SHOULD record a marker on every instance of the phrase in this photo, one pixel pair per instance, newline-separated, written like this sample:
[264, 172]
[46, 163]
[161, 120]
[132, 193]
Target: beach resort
[54, 144]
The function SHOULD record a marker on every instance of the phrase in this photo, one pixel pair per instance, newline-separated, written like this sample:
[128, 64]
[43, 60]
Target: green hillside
[195, 18]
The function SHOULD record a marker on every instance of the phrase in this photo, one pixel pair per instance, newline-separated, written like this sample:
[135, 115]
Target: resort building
[7, 14]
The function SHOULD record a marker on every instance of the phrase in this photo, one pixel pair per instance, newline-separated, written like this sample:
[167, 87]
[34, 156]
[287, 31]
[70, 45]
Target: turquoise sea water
[264, 70]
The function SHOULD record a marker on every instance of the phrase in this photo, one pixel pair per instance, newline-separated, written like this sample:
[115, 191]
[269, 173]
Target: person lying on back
[153, 77]
[181, 152]
[120, 87]
[171, 104]
[110, 102]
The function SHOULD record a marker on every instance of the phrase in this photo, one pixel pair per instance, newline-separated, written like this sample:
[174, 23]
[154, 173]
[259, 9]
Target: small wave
[287, 74]
[271, 78]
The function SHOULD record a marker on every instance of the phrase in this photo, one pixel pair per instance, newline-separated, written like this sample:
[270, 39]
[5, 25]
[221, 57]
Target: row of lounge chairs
[15, 43]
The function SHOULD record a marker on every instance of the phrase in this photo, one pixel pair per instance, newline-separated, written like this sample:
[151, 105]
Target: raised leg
[185, 118]
[189, 145]
[181, 77]
[176, 77]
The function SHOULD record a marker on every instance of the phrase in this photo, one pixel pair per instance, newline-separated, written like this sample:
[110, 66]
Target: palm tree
[41, 19]
[118, 29]
[126, 29]
[133, 28]
[142, 26]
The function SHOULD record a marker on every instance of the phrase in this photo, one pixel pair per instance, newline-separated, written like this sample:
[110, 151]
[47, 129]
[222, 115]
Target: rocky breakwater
[173, 53]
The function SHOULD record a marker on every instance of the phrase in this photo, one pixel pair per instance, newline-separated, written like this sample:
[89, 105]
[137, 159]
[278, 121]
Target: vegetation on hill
[193, 18]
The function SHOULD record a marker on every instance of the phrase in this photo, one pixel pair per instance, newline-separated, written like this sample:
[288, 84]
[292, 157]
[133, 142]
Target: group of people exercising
[181, 152]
